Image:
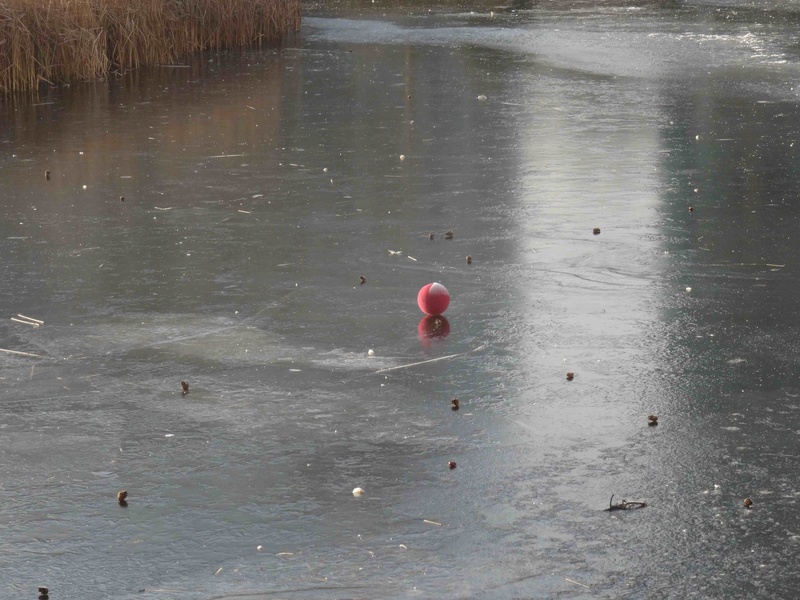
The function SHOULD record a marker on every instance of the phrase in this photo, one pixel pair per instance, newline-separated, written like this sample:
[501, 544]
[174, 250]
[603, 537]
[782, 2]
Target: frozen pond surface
[258, 187]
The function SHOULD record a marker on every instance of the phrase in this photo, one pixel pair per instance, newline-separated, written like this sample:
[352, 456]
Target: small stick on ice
[40, 322]
[432, 523]
[17, 352]
[31, 323]
[575, 582]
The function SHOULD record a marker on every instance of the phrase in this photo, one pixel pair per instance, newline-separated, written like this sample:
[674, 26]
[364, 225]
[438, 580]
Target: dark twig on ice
[624, 505]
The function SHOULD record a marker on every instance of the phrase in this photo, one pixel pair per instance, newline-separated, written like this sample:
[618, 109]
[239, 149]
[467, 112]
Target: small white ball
[358, 491]
[370, 352]
[688, 289]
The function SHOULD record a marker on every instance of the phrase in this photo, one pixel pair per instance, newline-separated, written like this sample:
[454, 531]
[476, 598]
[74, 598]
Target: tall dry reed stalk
[70, 40]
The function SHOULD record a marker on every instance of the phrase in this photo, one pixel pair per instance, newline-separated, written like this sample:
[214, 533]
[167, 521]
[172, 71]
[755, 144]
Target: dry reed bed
[55, 41]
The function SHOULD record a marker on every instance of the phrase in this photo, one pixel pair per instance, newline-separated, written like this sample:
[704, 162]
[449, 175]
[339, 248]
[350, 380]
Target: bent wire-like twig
[624, 505]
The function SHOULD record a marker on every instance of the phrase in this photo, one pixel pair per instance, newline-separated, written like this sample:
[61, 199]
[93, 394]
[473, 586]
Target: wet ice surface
[259, 188]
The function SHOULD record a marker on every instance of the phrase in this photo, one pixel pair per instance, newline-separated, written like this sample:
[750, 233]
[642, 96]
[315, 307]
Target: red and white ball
[433, 299]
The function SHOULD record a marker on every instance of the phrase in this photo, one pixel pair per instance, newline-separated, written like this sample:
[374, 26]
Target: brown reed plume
[60, 41]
